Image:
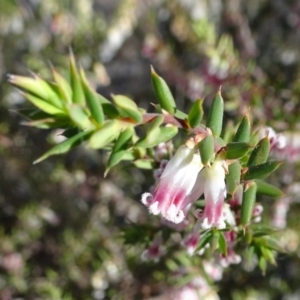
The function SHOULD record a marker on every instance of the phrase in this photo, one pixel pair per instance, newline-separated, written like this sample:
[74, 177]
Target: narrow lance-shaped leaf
[196, 113]
[53, 95]
[80, 116]
[215, 116]
[106, 134]
[243, 131]
[261, 171]
[267, 189]
[206, 148]
[28, 84]
[249, 198]
[260, 153]
[262, 263]
[214, 240]
[156, 122]
[66, 145]
[63, 86]
[236, 150]
[268, 255]
[222, 243]
[157, 136]
[233, 177]
[43, 105]
[128, 107]
[119, 149]
[77, 95]
[92, 100]
[146, 164]
[163, 93]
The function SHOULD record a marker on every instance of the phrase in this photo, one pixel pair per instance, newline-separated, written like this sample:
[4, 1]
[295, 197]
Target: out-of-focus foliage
[62, 224]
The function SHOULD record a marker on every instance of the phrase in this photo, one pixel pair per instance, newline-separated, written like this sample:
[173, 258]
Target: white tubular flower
[171, 195]
[211, 182]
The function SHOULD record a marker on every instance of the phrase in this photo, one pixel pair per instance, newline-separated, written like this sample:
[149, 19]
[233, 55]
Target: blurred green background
[60, 220]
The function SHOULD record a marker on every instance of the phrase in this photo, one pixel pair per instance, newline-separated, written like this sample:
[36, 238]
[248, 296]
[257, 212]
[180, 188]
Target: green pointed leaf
[77, 95]
[157, 136]
[167, 133]
[28, 84]
[144, 164]
[180, 114]
[273, 244]
[80, 116]
[233, 177]
[268, 255]
[53, 95]
[215, 116]
[63, 87]
[249, 198]
[243, 131]
[43, 105]
[267, 189]
[261, 171]
[262, 263]
[106, 134]
[236, 150]
[204, 240]
[156, 122]
[222, 243]
[214, 240]
[206, 148]
[66, 145]
[123, 139]
[260, 232]
[163, 93]
[128, 107]
[196, 113]
[119, 150]
[260, 153]
[92, 100]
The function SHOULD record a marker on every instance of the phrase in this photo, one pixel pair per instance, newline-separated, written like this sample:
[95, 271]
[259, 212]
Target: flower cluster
[182, 182]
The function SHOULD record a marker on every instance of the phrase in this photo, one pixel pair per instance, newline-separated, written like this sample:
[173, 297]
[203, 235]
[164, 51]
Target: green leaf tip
[249, 198]
[215, 115]
[163, 93]
[92, 99]
[260, 153]
[243, 132]
[261, 171]
[65, 146]
[195, 114]
[206, 148]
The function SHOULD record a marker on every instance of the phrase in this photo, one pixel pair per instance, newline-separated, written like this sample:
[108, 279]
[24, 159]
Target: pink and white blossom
[191, 241]
[155, 250]
[211, 183]
[175, 185]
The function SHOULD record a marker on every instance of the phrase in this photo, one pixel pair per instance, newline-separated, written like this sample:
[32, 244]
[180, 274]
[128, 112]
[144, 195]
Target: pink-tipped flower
[155, 250]
[171, 195]
[191, 241]
[211, 182]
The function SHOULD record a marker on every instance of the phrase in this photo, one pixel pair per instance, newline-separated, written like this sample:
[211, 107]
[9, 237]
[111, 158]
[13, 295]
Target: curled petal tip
[146, 198]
